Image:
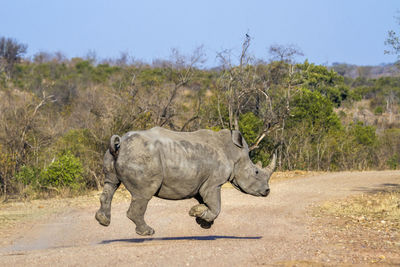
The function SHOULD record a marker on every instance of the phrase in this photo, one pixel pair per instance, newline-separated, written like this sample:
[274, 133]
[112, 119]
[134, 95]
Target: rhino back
[177, 163]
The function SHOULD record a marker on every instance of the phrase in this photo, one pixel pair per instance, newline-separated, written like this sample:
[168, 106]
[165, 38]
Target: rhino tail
[115, 143]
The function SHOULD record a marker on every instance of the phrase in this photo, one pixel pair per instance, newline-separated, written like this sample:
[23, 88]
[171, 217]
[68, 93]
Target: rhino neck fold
[231, 177]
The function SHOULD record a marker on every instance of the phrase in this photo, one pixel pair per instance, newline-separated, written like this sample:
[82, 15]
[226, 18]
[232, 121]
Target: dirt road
[249, 231]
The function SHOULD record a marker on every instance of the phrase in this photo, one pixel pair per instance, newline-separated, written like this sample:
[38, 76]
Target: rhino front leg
[103, 215]
[206, 213]
[136, 214]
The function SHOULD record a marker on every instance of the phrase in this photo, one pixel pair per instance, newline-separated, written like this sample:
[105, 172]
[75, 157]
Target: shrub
[393, 161]
[378, 110]
[250, 126]
[364, 135]
[82, 144]
[28, 175]
[66, 171]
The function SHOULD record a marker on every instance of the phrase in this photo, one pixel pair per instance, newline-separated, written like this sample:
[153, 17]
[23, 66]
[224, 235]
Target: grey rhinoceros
[179, 165]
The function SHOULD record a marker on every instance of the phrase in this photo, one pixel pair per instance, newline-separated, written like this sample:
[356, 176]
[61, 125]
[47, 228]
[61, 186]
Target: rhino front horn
[271, 167]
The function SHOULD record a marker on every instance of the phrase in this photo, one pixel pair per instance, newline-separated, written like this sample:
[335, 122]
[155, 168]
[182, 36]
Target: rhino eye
[256, 171]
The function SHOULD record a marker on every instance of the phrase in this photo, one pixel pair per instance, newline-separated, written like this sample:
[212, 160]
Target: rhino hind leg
[136, 214]
[103, 215]
[111, 183]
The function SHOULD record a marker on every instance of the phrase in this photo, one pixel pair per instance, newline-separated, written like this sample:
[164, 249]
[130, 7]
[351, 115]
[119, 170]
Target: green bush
[82, 144]
[66, 171]
[363, 134]
[378, 110]
[28, 175]
[315, 111]
[250, 126]
[393, 161]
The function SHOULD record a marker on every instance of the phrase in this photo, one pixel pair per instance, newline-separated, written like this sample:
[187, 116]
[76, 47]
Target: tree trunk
[96, 180]
[236, 122]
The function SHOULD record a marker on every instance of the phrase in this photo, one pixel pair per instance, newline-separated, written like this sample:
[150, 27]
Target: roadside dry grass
[380, 210]
[367, 225]
[287, 175]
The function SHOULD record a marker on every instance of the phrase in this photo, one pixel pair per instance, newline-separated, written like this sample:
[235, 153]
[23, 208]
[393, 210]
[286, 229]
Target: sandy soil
[250, 231]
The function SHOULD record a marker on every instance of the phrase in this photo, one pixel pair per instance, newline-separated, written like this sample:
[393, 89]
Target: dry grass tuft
[364, 227]
[378, 210]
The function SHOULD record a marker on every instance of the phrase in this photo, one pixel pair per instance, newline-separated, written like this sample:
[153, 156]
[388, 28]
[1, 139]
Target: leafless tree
[284, 53]
[236, 81]
[246, 87]
[19, 120]
[185, 67]
[11, 53]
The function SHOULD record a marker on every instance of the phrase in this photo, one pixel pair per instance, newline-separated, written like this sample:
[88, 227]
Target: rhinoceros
[179, 165]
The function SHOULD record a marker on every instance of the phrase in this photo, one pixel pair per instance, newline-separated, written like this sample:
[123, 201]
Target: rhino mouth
[235, 185]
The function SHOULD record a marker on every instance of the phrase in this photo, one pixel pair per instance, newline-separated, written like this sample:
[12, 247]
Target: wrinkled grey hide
[179, 165]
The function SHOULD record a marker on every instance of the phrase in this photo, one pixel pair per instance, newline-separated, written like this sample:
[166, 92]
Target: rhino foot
[203, 223]
[144, 230]
[198, 210]
[102, 218]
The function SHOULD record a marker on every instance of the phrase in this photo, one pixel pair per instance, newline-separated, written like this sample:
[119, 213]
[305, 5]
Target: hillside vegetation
[368, 72]
[57, 114]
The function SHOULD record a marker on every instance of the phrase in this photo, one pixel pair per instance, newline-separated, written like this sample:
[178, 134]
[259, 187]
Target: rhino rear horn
[259, 164]
[271, 167]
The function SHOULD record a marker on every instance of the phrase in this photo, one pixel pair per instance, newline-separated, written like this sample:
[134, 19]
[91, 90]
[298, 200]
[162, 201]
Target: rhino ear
[237, 138]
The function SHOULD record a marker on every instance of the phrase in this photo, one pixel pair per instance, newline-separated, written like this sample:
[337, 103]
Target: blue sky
[327, 31]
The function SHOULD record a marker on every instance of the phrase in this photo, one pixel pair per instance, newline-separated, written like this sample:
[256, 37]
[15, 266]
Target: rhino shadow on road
[201, 238]
[381, 188]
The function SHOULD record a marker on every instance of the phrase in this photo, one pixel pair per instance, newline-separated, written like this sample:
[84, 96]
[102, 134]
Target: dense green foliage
[64, 172]
[57, 115]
